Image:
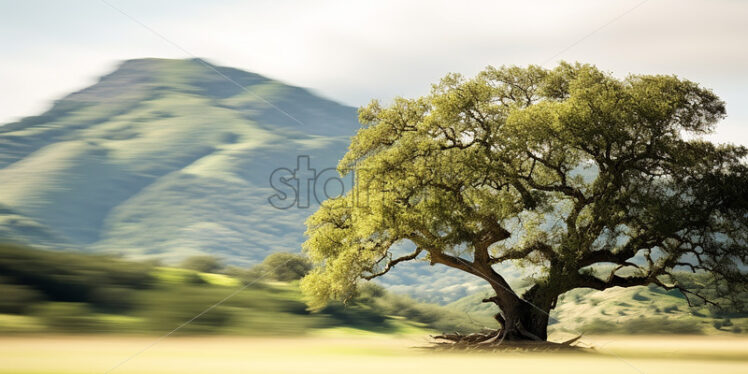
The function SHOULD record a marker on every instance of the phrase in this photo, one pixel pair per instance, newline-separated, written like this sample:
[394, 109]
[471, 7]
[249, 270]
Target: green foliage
[203, 264]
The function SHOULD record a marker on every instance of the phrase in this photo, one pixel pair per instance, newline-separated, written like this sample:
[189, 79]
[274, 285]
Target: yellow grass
[359, 355]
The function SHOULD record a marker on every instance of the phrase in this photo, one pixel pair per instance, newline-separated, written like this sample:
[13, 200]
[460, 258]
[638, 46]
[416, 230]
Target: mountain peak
[255, 97]
[186, 75]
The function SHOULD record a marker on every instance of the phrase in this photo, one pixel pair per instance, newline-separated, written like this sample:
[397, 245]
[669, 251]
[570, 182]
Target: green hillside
[635, 310]
[54, 292]
[166, 159]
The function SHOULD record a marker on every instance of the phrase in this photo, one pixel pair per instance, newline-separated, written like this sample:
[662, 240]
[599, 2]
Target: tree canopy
[592, 180]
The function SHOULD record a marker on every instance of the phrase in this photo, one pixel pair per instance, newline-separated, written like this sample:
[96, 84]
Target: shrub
[286, 266]
[113, 299]
[69, 317]
[16, 299]
[70, 277]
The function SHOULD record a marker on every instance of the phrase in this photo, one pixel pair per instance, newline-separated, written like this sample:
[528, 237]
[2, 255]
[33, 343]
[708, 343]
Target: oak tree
[595, 182]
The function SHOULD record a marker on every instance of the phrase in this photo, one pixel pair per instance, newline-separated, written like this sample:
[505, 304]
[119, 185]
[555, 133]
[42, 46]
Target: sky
[353, 51]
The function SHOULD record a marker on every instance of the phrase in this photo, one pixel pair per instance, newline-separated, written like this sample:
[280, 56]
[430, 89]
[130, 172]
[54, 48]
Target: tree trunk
[520, 320]
[524, 318]
[535, 321]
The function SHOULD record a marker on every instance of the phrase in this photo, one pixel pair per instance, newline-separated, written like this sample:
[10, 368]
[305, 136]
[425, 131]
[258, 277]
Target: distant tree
[205, 264]
[587, 178]
[286, 266]
[280, 266]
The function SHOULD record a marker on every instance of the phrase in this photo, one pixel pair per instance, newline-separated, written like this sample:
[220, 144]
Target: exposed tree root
[496, 340]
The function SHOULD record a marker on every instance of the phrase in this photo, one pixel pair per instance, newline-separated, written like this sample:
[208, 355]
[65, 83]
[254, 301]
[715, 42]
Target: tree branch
[394, 262]
[542, 248]
[591, 281]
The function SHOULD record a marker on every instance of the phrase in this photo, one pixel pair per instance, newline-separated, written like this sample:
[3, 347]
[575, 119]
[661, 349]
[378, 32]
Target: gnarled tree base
[493, 340]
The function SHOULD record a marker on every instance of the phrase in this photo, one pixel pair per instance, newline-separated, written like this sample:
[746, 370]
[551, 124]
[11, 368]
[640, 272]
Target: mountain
[166, 159]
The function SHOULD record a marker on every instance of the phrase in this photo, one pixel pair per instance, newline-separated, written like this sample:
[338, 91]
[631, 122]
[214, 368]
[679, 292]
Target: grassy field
[371, 353]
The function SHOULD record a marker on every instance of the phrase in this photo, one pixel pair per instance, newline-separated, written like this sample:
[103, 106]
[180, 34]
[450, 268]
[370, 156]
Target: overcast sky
[353, 52]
